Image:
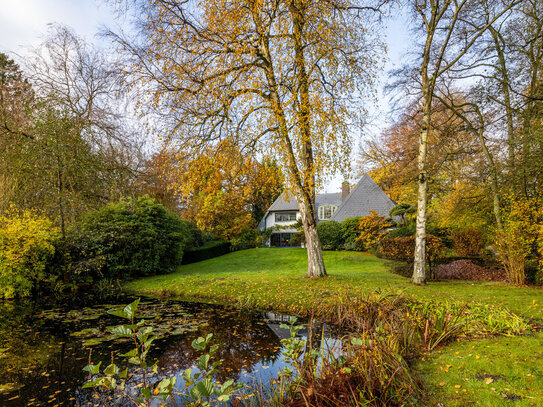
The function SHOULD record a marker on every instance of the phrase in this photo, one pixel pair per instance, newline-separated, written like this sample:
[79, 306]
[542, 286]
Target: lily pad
[9, 387]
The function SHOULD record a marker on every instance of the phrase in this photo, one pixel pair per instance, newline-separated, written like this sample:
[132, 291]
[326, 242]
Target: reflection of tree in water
[244, 341]
[41, 355]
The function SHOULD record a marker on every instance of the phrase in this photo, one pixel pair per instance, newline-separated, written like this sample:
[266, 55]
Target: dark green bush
[195, 237]
[330, 235]
[248, 239]
[207, 251]
[134, 237]
[404, 231]
[350, 231]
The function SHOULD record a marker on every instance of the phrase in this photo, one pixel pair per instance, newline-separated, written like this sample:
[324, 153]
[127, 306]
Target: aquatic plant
[199, 389]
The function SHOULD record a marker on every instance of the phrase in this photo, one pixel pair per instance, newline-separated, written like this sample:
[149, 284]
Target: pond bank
[273, 278]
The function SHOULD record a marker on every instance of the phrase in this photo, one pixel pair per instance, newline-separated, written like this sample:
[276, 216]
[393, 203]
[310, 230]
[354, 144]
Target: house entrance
[281, 239]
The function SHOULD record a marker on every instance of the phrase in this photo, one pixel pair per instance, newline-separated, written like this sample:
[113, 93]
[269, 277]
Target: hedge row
[207, 251]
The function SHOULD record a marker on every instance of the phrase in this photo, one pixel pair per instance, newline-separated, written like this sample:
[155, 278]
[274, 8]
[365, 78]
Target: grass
[492, 372]
[271, 278]
[274, 279]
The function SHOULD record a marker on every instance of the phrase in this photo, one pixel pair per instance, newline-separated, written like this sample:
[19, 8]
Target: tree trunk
[315, 260]
[419, 261]
[505, 84]
[494, 183]
[306, 200]
[419, 266]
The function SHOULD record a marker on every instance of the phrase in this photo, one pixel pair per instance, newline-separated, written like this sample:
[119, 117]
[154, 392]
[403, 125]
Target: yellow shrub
[372, 228]
[26, 247]
[521, 238]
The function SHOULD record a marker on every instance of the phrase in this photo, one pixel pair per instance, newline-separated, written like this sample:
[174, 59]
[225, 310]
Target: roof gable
[364, 197]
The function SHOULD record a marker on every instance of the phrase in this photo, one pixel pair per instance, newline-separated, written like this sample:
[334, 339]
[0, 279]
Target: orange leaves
[221, 189]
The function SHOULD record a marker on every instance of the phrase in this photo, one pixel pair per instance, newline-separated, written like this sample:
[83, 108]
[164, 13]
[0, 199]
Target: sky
[23, 23]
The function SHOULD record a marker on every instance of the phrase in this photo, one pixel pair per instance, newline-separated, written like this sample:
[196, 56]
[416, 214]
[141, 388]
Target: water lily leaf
[86, 332]
[93, 341]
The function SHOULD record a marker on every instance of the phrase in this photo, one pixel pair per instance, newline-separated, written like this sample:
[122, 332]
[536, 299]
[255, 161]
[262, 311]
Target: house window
[285, 217]
[326, 211]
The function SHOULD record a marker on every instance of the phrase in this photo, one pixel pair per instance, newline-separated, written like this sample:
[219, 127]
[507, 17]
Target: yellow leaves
[26, 244]
[489, 380]
[445, 368]
[220, 185]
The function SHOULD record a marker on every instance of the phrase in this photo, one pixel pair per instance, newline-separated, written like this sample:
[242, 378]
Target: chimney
[345, 190]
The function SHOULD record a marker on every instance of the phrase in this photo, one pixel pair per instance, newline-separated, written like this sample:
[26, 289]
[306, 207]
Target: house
[284, 212]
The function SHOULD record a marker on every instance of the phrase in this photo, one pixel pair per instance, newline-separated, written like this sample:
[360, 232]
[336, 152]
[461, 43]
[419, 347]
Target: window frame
[288, 215]
[323, 208]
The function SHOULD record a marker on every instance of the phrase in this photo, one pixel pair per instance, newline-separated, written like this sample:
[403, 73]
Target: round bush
[134, 237]
[330, 235]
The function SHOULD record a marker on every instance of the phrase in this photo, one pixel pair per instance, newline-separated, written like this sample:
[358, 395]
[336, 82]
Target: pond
[43, 350]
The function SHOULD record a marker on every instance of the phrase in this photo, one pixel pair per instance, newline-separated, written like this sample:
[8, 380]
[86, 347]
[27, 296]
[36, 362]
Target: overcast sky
[23, 23]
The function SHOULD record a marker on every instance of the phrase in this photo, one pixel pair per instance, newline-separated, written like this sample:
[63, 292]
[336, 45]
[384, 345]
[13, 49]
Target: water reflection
[41, 360]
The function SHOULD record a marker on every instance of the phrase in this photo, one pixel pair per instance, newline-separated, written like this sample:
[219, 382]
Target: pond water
[43, 350]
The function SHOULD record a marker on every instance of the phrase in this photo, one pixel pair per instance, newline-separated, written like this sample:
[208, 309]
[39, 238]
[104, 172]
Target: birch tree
[450, 28]
[283, 76]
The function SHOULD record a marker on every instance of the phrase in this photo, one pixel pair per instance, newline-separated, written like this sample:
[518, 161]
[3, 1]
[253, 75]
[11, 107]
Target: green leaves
[201, 343]
[128, 312]
[203, 389]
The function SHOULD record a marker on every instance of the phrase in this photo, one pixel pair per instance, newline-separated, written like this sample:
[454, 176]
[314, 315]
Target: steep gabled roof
[284, 204]
[333, 198]
[364, 197]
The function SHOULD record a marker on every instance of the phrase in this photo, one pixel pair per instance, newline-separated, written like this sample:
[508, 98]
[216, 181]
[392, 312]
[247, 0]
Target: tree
[222, 189]
[66, 146]
[450, 30]
[286, 76]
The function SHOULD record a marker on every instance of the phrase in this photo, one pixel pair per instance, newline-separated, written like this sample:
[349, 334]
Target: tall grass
[385, 333]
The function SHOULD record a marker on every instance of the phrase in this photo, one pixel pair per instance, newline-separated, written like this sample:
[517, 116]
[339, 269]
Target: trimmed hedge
[207, 251]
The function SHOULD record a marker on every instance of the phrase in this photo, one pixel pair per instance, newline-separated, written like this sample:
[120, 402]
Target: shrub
[330, 235]
[467, 242]
[247, 240]
[404, 211]
[298, 239]
[513, 250]
[195, 237]
[404, 231]
[134, 237]
[207, 251]
[26, 250]
[403, 248]
[371, 229]
[350, 232]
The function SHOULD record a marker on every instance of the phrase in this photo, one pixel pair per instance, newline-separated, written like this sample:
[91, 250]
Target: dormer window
[326, 211]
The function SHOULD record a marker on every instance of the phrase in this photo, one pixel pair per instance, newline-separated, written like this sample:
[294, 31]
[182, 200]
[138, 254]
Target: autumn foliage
[222, 190]
[402, 248]
[27, 245]
[372, 229]
[467, 242]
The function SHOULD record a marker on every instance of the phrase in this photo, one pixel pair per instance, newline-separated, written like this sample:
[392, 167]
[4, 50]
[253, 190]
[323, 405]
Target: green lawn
[455, 375]
[274, 278]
